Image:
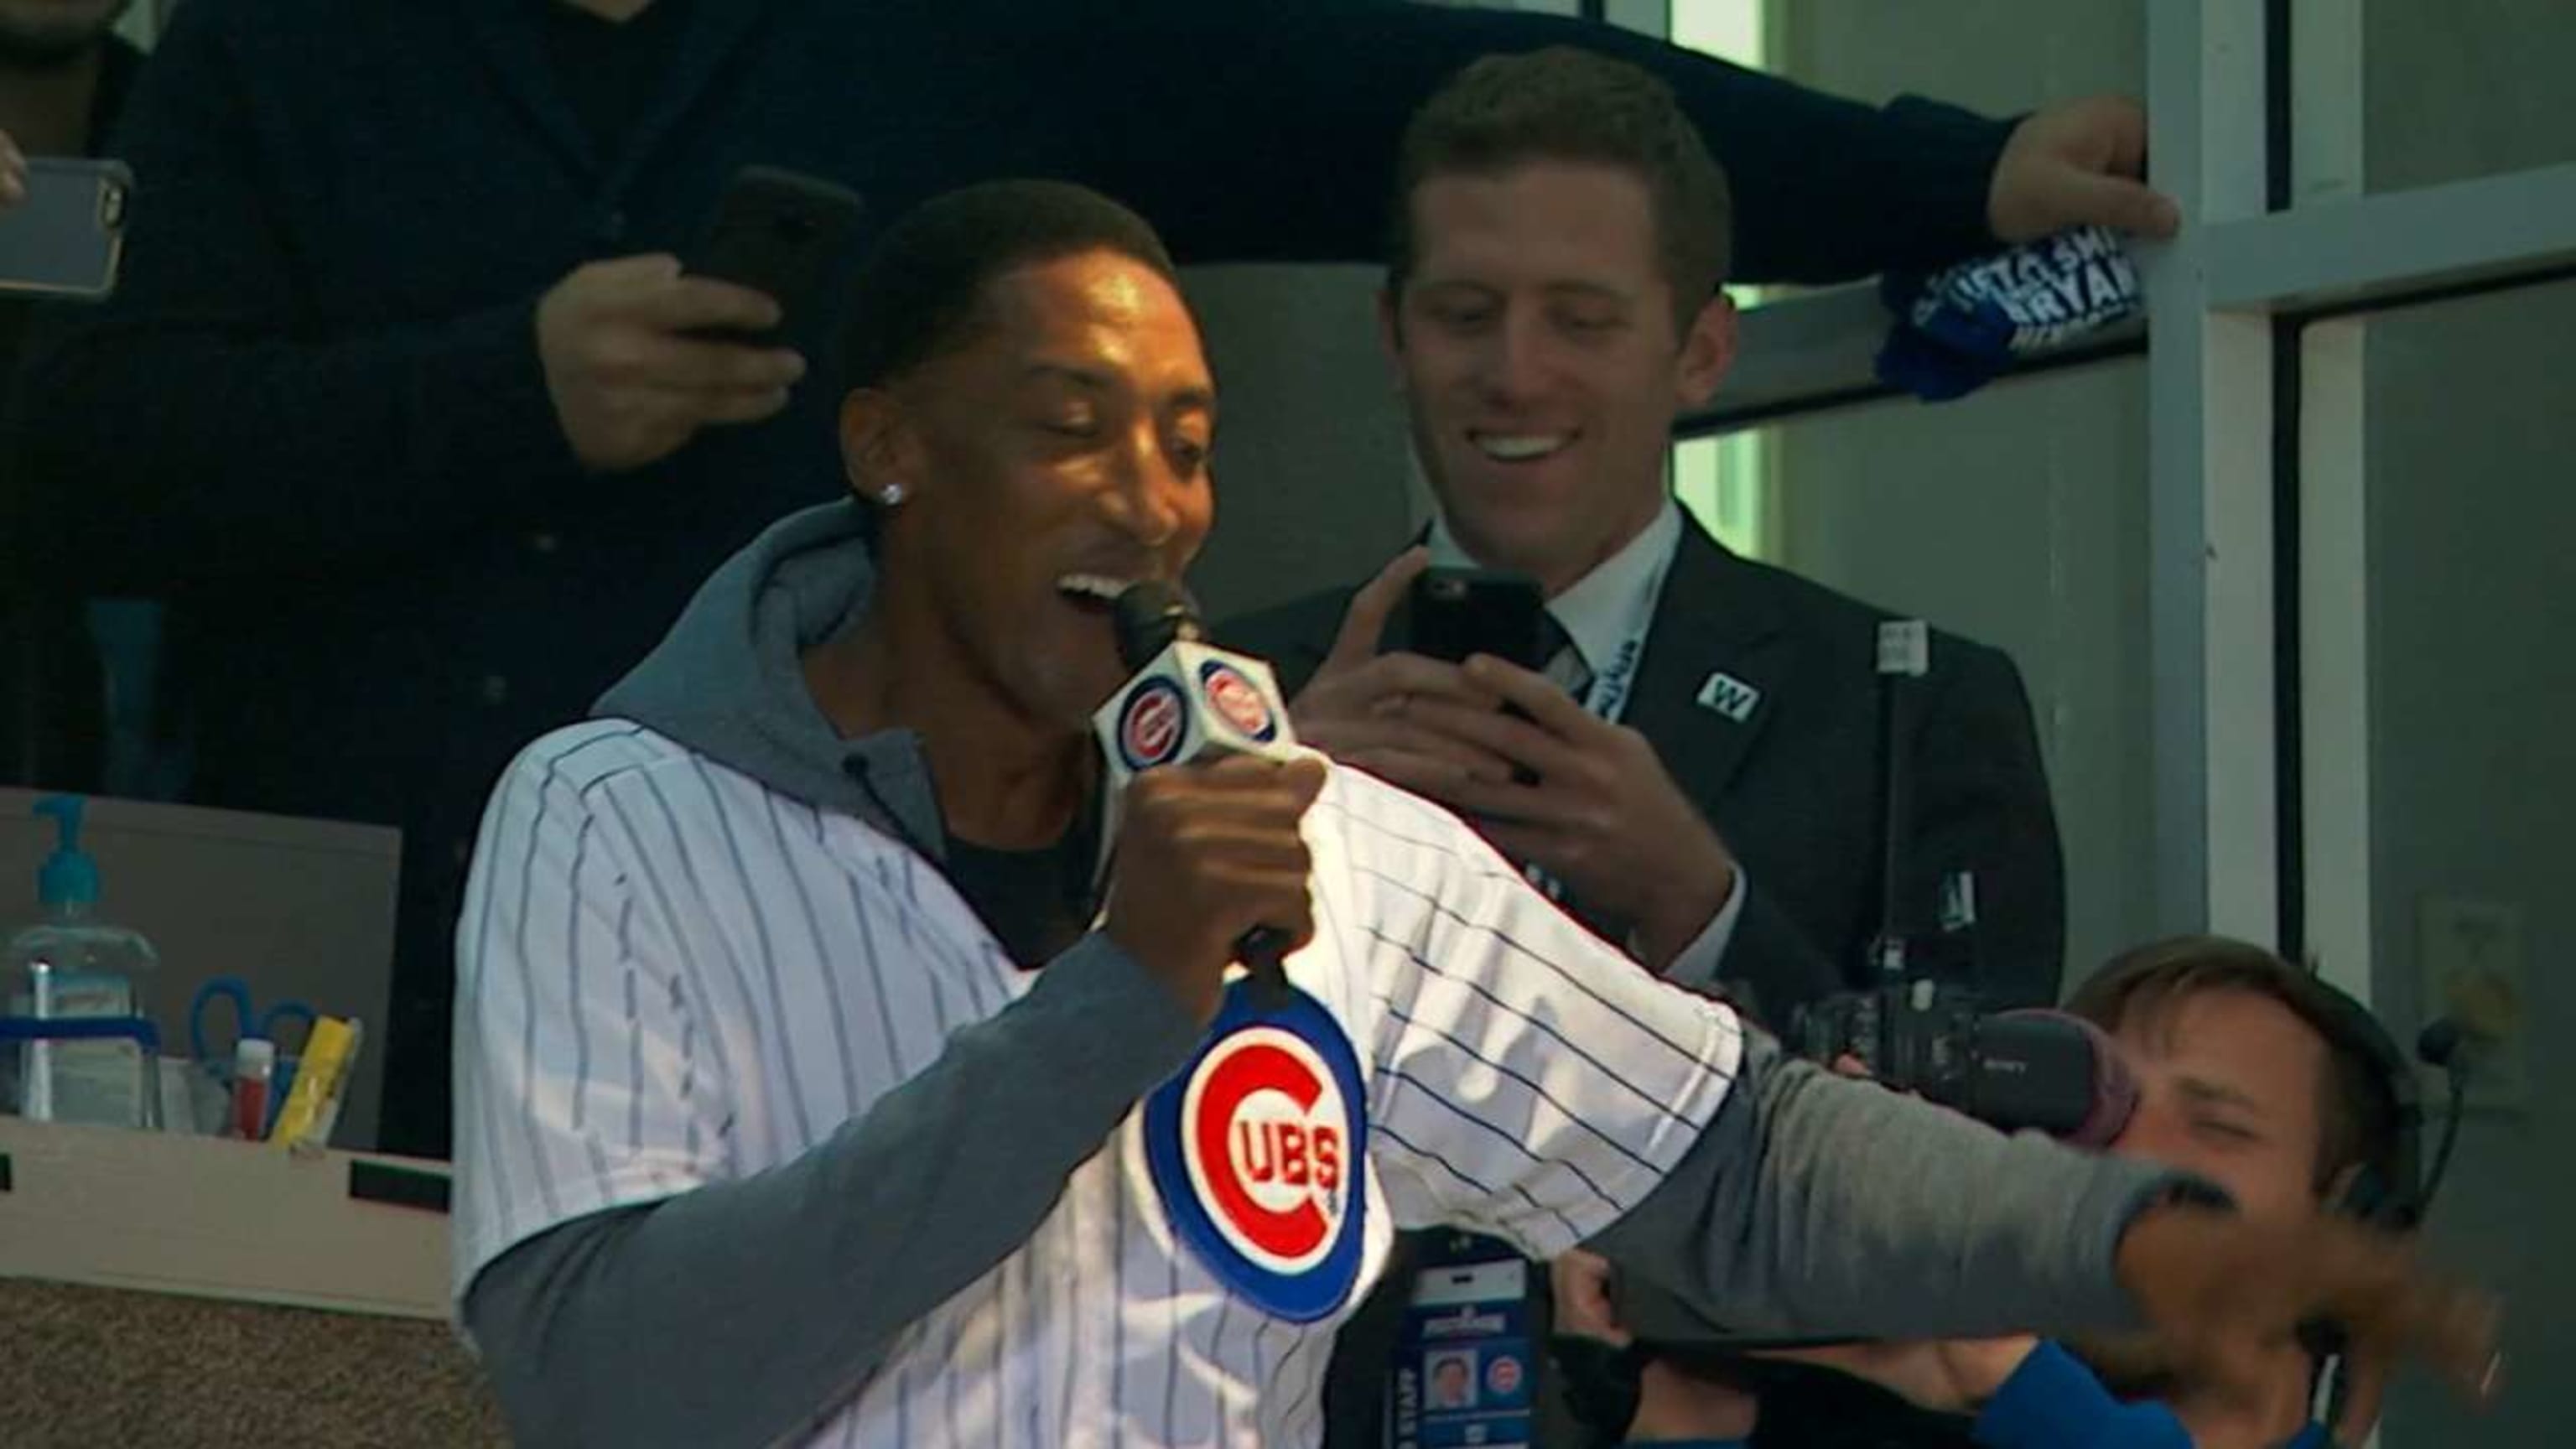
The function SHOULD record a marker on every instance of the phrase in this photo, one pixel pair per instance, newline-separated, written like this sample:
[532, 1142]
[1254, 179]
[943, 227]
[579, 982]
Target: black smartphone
[783, 233]
[67, 237]
[1458, 612]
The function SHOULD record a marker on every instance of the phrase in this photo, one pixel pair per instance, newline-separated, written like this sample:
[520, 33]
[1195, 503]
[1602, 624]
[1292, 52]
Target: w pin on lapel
[1729, 696]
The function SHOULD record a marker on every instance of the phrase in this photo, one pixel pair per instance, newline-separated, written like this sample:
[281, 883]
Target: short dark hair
[1565, 104]
[2357, 1107]
[920, 289]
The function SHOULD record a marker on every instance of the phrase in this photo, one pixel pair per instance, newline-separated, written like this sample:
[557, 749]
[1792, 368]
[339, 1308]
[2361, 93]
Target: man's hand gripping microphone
[1187, 702]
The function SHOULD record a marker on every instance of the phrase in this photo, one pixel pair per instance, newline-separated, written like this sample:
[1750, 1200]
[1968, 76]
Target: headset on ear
[2386, 1189]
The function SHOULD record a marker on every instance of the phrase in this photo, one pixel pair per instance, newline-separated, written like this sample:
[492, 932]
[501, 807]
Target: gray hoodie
[744, 1311]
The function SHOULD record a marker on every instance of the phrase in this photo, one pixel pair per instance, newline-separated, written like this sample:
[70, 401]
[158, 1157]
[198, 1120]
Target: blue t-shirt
[2054, 1402]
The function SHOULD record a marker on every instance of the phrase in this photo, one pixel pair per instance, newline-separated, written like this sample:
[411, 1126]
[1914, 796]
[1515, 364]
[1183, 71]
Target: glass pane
[2016, 517]
[1726, 484]
[2472, 774]
[1737, 30]
[2455, 91]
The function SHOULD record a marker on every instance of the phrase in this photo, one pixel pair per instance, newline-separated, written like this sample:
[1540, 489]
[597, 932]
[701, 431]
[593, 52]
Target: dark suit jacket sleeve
[1981, 805]
[192, 427]
[1770, 964]
[1268, 129]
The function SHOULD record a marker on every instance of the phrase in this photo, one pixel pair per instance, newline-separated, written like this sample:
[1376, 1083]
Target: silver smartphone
[67, 237]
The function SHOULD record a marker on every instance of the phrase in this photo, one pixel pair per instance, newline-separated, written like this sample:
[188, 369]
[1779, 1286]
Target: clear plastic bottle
[72, 972]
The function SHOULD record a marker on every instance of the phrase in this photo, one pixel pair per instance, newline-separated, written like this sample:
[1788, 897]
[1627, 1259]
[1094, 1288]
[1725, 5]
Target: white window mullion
[2334, 651]
[2209, 507]
[2328, 170]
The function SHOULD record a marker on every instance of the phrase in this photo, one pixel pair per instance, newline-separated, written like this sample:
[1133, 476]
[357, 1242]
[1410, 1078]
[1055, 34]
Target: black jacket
[315, 417]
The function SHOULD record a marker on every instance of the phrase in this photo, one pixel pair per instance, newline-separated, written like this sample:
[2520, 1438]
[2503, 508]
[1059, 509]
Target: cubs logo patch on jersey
[1259, 1153]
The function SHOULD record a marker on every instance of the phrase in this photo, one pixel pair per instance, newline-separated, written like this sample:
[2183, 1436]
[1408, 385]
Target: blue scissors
[248, 1021]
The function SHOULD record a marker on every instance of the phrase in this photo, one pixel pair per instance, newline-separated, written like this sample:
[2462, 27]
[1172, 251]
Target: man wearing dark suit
[1699, 765]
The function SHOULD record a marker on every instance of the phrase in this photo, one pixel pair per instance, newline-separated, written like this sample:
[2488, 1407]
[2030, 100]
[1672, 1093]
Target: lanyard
[1607, 696]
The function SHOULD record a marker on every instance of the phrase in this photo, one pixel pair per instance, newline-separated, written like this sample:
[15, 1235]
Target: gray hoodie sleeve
[1816, 1204]
[740, 1312]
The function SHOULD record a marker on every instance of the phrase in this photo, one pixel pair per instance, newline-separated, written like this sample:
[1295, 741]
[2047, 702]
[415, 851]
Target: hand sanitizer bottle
[77, 1044]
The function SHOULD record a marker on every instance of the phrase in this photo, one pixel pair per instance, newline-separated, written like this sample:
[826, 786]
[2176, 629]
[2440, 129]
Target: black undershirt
[610, 70]
[1035, 902]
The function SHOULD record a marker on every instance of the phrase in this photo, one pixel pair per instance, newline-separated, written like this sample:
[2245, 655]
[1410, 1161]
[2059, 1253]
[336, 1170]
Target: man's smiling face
[1536, 342]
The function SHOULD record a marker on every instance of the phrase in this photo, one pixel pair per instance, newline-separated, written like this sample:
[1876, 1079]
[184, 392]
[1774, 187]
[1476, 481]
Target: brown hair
[1564, 104]
[2357, 1106]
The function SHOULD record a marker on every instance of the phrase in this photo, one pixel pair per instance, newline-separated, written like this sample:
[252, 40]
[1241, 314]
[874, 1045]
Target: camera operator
[2250, 1072]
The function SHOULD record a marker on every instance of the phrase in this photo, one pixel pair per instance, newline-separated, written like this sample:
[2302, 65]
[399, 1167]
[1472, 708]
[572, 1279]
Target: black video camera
[2043, 1070]
[2013, 1070]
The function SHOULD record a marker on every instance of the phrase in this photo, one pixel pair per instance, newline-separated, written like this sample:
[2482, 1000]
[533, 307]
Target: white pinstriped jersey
[670, 974]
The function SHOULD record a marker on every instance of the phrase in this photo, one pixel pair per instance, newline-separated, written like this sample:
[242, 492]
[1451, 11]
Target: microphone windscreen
[2115, 1091]
[2059, 1047]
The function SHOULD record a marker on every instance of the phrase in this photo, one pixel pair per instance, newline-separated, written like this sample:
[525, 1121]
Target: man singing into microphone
[838, 1062]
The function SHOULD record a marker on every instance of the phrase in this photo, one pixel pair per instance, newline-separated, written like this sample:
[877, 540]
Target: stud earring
[892, 495]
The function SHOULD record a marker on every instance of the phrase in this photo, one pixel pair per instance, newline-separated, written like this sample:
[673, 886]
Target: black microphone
[1151, 616]
[2439, 1042]
[1188, 701]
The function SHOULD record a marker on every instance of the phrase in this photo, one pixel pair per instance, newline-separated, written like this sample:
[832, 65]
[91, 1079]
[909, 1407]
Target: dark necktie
[1560, 659]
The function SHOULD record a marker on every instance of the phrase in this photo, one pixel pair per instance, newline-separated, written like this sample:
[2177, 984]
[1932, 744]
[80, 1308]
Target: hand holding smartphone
[781, 233]
[642, 353]
[65, 237]
[1458, 613]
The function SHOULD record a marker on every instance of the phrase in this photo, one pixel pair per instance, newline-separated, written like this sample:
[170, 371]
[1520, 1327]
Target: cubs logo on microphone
[1238, 701]
[1258, 1150]
[1153, 725]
